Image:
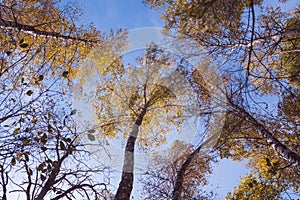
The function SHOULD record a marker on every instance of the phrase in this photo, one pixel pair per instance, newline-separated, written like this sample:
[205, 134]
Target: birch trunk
[126, 183]
[278, 146]
[32, 30]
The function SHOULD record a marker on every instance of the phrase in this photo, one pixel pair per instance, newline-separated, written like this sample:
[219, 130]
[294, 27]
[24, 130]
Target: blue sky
[115, 14]
[130, 14]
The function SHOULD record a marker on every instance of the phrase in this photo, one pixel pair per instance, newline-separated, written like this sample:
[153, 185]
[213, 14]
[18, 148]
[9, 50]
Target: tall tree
[257, 56]
[42, 44]
[41, 41]
[182, 178]
[141, 103]
[48, 162]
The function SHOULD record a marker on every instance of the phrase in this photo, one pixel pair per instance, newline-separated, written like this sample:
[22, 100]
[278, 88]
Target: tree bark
[126, 183]
[178, 188]
[51, 180]
[278, 146]
[4, 180]
[33, 30]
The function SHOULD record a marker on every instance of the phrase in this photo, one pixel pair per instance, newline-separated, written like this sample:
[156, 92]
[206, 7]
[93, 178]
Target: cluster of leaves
[159, 182]
[258, 55]
[270, 176]
[145, 103]
[152, 85]
[42, 45]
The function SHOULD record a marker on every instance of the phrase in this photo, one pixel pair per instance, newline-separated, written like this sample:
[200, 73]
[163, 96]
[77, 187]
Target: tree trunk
[279, 147]
[126, 183]
[178, 188]
[4, 180]
[33, 30]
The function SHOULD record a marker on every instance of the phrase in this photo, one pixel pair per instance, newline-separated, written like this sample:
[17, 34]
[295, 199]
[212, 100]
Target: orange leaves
[202, 87]
[43, 35]
[168, 163]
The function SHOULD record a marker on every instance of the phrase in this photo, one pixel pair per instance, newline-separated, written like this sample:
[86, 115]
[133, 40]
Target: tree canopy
[42, 44]
[49, 55]
[255, 47]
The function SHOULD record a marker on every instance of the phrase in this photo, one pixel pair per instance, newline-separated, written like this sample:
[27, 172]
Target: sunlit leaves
[16, 131]
[42, 44]
[290, 52]
[258, 53]
[201, 19]
[159, 180]
[103, 60]
[252, 187]
[154, 85]
[19, 155]
[26, 142]
[13, 161]
[273, 174]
